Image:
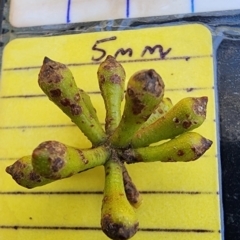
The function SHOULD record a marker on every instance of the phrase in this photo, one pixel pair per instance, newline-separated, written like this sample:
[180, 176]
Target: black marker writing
[151, 50]
[102, 51]
[124, 52]
[128, 51]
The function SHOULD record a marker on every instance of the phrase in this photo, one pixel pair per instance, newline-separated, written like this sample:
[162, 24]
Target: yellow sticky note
[180, 200]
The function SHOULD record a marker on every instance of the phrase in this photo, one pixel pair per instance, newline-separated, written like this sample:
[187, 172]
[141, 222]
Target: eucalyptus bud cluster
[148, 117]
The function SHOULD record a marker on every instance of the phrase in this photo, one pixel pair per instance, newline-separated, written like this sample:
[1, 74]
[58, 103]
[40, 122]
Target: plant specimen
[147, 118]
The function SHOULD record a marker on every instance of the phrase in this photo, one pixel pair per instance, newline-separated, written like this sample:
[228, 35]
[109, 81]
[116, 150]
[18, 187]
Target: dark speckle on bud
[180, 152]
[65, 102]
[110, 63]
[15, 170]
[82, 156]
[46, 60]
[75, 109]
[50, 72]
[57, 164]
[153, 82]
[34, 177]
[115, 79]
[77, 97]
[101, 80]
[176, 120]
[199, 106]
[117, 231]
[187, 124]
[137, 105]
[200, 149]
[55, 93]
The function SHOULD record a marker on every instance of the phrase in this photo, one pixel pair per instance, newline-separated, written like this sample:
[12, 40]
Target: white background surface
[27, 13]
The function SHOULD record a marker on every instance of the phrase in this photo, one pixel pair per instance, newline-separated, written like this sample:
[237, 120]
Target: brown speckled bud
[144, 93]
[22, 172]
[187, 147]
[57, 82]
[188, 114]
[55, 160]
[164, 106]
[111, 79]
[118, 218]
